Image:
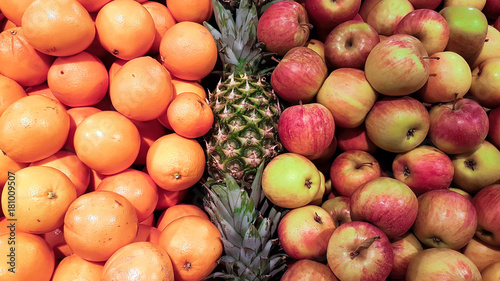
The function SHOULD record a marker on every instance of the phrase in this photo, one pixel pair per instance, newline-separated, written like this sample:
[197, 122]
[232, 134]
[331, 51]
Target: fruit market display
[250, 140]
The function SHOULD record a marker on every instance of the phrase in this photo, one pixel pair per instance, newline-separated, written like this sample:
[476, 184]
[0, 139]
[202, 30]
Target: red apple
[494, 128]
[306, 269]
[339, 208]
[425, 4]
[404, 249]
[354, 138]
[327, 14]
[487, 204]
[481, 253]
[386, 15]
[496, 24]
[492, 9]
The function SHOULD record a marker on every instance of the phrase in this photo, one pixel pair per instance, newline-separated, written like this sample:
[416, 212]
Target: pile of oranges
[101, 115]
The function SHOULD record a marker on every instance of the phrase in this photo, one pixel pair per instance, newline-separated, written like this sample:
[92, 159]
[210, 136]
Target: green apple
[485, 86]
[478, 4]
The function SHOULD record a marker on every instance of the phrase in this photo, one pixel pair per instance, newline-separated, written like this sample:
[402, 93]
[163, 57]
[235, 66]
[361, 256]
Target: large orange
[196, 10]
[189, 115]
[188, 51]
[13, 10]
[74, 267]
[107, 142]
[194, 246]
[76, 116]
[33, 128]
[58, 27]
[98, 223]
[11, 91]
[7, 166]
[179, 211]
[175, 162]
[125, 28]
[163, 20]
[150, 131]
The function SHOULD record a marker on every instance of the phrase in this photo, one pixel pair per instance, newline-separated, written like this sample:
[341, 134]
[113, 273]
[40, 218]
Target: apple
[468, 27]
[425, 4]
[496, 24]
[493, 132]
[397, 66]
[386, 14]
[348, 96]
[477, 169]
[450, 78]
[354, 138]
[317, 46]
[366, 7]
[461, 192]
[290, 180]
[404, 249]
[359, 250]
[306, 269]
[306, 129]
[492, 9]
[478, 4]
[339, 208]
[485, 86]
[491, 272]
[487, 203]
[327, 14]
[458, 126]
[445, 219]
[349, 43]
[423, 168]
[481, 253]
[490, 47]
[387, 203]
[325, 155]
[352, 168]
[282, 26]
[299, 75]
[318, 198]
[438, 264]
[397, 124]
[304, 232]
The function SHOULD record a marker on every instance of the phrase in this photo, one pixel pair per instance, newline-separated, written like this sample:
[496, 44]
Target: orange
[68, 163]
[76, 116]
[147, 233]
[141, 89]
[181, 86]
[175, 162]
[20, 61]
[55, 239]
[139, 261]
[98, 223]
[93, 5]
[7, 166]
[58, 27]
[188, 51]
[195, 11]
[167, 199]
[150, 220]
[43, 90]
[125, 28]
[189, 115]
[34, 259]
[107, 142]
[163, 20]
[137, 187]
[115, 66]
[74, 267]
[95, 180]
[13, 10]
[33, 128]
[179, 211]
[11, 91]
[41, 197]
[150, 131]
[4, 226]
[194, 246]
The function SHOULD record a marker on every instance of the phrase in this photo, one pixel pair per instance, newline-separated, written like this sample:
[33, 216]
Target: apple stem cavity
[485, 232]
[308, 184]
[406, 172]
[364, 245]
[436, 240]
[317, 218]
[470, 163]
[410, 134]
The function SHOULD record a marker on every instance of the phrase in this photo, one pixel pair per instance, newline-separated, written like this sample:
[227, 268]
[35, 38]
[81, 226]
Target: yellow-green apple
[397, 124]
[304, 232]
[485, 86]
[359, 250]
[306, 129]
[282, 26]
[349, 44]
[492, 9]
[306, 269]
[352, 168]
[481, 253]
[428, 26]
[317, 46]
[445, 219]
[386, 14]
[318, 198]
[348, 96]
[397, 66]
[339, 208]
[438, 264]
[489, 50]
[290, 180]
[458, 126]
[366, 7]
[493, 132]
[461, 192]
[477, 169]
[299, 75]
[478, 4]
[491, 272]
[468, 27]
[355, 138]
[326, 14]
[487, 204]
[387, 203]
[404, 249]
[425, 4]
[450, 78]
[423, 168]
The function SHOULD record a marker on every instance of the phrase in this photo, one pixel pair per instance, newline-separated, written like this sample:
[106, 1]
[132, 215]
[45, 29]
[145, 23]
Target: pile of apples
[396, 104]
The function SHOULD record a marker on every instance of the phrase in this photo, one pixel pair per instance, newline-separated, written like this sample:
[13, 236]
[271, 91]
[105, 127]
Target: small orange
[150, 131]
[147, 233]
[74, 267]
[7, 165]
[95, 180]
[11, 91]
[189, 115]
[55, 239]
[150, 220]
[188, 51]
[141, 89]
[163, 20]
[196, 11]
[76, 116]
[43, 90]
[41, 197]
[181, 86]
[4, 226]
[13, 10]
[125, 28]
[167, 199]
[58, 27]
[93, 5]
[107, 142]
[139, 261]
[175, 162]
[33, 128]
[98, 223]
[194, 246]
[115, 66]
[179, 211]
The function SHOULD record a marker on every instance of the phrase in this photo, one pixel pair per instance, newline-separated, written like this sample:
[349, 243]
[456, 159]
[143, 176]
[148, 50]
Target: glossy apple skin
[489, 49]
[339, 208]
[485, 86]
[289, 19]
[425, 4]
[487, 204]
[404, 249]
[481, 253]
[306, 269]
[438, 264]
[386, 15]
[491, 272]
[445, 219]
[423, 168]
[459, 126]
[372, 264]
[354, 138]
[327, 14]
[494, 128]
[349, 43]
[492, 9]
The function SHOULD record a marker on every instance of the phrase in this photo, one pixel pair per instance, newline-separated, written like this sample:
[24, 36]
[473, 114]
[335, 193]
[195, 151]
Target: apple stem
[364, 245]
[275, 59]
[454, 101]
[317, 218]
[431, 58]
[433, 74]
